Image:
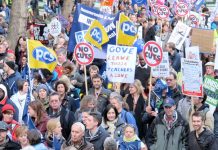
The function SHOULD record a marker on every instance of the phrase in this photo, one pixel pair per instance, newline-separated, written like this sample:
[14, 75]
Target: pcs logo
[96, 34]
[43, 55]
[128, 28]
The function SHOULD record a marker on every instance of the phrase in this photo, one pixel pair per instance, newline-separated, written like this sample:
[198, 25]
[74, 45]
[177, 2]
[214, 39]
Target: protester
[110, 144]
[21, 134]
[42, 95]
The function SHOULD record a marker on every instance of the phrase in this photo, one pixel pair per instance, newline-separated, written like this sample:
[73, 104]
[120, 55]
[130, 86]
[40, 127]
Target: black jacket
[205, 141]
[10, 145]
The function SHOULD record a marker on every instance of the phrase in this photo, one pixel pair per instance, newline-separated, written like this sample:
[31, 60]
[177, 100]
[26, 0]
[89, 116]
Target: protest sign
[152, 53]
[198, 4]
[194, 19]
[84, 53]
[152, 2]
[192, 84]
[203, 38]
[54, 27]
[107, 3]
[121, 62]
[154, 9]
[163, 69]
[40, 31]
[163, 12]
[179, 34]
[181, 9]
[83, 18]
[192, 53]
[216, 57]
[211, 89]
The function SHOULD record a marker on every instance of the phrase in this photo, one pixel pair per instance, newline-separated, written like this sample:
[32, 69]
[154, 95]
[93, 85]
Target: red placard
[163, 12]
[154, 9]
[181, 9]
[84, 53]
[152, 53]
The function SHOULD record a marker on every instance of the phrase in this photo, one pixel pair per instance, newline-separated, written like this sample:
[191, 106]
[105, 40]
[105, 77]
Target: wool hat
[11, 64]
[42, 86]
[8, 107]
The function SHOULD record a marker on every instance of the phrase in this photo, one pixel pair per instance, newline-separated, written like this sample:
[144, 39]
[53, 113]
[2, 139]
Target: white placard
[192, 53]
[54, 27]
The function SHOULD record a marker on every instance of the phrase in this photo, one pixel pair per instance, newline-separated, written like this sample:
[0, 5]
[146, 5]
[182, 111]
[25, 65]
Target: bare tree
[18, 22]
[67, 8]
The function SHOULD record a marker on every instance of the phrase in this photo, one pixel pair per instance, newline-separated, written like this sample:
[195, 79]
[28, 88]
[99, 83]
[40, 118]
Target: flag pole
[86, 85]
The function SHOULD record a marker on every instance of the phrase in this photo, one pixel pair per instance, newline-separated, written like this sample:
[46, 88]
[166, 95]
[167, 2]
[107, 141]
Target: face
[115, 103]
[91, 104]
[21, 41]
[197, 123]
[2, 49]
[129, 132]
[197, 100]
[91, 123]
[25, 87]
[61, 41]
[57, 130]
[61, 58]
[97, 83]
[166, 27]
[169, 111]
[111, 115]
[171, 81]
[3, 135]
[6, 44]
[31, 112]
[168, 49]
[54, 102]
[66, 71]
[61, 89]
[85, 117]
[93, 72]
[141, 60]
[76, 133]
[42, 94]
[24, 60]
[132, 89]
[22, 139]
[5, 67]
[8, 117]
[209, 70]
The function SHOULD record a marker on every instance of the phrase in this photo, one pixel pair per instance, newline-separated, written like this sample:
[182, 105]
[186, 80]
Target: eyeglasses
[169, 79]
[167, 107]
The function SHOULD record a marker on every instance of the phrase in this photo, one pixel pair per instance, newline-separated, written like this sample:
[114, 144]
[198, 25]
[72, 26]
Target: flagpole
[86, 85]
[29, 71]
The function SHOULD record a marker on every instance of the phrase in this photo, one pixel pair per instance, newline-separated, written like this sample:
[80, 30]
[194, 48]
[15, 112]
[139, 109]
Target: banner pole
[150, 88]
[86, 85]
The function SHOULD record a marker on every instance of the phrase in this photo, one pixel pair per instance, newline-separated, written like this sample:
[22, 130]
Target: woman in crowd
[21, 134]
[112, 122]
[130, 140]
[54, 138]
[136, 104]
[165, 34]
[38, 115]
[42, 92]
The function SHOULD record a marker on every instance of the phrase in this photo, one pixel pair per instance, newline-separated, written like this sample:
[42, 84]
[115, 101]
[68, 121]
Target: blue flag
[139, 2]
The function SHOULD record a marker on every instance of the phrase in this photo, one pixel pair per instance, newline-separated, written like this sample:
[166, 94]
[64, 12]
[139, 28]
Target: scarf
[132, 139]
[111, 127]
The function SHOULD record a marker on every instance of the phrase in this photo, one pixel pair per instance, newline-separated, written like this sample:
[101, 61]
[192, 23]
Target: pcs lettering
[128, 28]
[43, 55]
[96, 35]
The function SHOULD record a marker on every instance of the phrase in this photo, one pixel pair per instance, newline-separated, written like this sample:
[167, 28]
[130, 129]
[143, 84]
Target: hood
[4, 98]
[204, 106]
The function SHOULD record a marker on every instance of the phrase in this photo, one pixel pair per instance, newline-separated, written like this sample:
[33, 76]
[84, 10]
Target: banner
[179, 34]
[192, 84]
[192, 53]
[96, 34]
[211, 89]
[198, 4]
[83, 18]
[127, 32]
[139, 2]
[163, 69]
[40, 56]
[107, 3]
[121, 61]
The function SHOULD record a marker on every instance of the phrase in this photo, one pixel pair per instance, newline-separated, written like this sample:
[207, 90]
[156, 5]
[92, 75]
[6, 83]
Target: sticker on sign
[193, 19]
[181, 9]
[163, 12]
[84, 53]
[152, 53]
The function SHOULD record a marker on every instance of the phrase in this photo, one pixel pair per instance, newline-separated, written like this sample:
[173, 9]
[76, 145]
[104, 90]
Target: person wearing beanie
[8, 112]
[12, 76]
[42, 95]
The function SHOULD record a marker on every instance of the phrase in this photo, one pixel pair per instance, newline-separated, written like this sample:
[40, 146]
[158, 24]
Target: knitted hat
[42, 86]
[11, 64]
[8, 107]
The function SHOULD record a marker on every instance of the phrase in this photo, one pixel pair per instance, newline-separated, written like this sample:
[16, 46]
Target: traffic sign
[152, 53]
[181, 9]
[163, 12]
[84, 53]
[154, 9]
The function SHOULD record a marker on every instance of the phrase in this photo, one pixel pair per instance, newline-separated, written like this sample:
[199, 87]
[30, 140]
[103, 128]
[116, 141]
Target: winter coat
[10, 145]
[41, 126]
[205, 141]
[98, 139]
[85, 146]
[174, 139]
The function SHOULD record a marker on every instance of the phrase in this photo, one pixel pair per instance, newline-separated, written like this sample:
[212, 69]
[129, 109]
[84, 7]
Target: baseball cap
[168, 102]
[11, 64]
[3, 126]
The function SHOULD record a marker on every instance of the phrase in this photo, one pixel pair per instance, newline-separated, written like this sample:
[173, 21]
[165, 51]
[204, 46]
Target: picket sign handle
[86, 85]
[150, 86]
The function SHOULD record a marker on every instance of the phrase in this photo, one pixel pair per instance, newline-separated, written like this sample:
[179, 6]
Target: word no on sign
[181, 9]
[84, 53]
[163, 12]
[152, 53]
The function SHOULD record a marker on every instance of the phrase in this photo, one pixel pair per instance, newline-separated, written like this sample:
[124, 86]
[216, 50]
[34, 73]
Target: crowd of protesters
[108, 117]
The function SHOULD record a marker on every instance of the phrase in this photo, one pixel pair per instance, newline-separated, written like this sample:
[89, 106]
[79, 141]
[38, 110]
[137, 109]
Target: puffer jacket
[85, 146]
[174, 139]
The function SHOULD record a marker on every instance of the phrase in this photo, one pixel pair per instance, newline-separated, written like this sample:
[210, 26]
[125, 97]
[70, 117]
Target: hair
[62, 51]
[80, 125]
[97, 76]
[117, 96]
[174, 75]
[20, 84]
[131, 126]
[54, 94]
[65, 79]
[38, 77]
[110, 144]
[199, 114]
[138, 85]
[34, 137]
[61, 82]
[37, 106]
[97, 117]
[21, 130]
[51, 125]
[68, 65]
[87, 99]
[93, 67]
[107, 109]
[171, 45]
